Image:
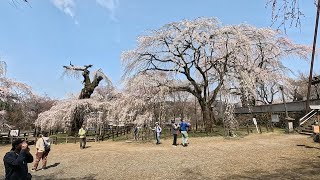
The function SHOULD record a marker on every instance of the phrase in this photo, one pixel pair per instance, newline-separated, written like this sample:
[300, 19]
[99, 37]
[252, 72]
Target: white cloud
[111, 6]
[67, 6]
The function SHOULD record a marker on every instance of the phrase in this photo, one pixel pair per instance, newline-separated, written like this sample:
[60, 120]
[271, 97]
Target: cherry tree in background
[137, 102]
[300, 88]
[88, 108]
[181, 105]
[11, 90]
[70, 114]
[203, 57]
[284, 11]
[13, 96]
[33, 107]
[88, 83]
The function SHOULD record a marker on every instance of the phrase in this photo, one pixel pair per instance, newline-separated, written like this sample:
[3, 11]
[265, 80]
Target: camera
[30, 143]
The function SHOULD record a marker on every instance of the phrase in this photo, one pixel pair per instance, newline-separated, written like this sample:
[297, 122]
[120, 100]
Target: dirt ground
[258, 156]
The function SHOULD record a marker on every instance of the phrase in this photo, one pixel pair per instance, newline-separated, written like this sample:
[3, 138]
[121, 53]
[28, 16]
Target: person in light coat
[42, 151]
[82, 135]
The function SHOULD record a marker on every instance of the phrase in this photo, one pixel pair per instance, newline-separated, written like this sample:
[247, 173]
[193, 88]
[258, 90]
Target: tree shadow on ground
[305, 170]
[52, 176]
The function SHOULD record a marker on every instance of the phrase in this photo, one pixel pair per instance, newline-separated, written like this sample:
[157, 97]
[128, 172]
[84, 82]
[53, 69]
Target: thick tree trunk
[89, 87]
[208, 117]
[77, 121]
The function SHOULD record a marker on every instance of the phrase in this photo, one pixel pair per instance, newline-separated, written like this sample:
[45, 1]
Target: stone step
[306, 133]
[307, 130]
[306, 127]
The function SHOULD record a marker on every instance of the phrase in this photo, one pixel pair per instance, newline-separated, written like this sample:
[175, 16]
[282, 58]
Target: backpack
[46, 146]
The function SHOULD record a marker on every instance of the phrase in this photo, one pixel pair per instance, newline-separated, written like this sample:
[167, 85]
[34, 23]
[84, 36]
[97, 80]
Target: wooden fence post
[260, 129]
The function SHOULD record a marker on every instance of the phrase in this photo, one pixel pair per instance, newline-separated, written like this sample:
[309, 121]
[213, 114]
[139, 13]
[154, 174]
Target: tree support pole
[313, 55]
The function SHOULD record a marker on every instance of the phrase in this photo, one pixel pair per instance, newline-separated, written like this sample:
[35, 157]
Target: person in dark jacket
[16, 161]
[174, 130]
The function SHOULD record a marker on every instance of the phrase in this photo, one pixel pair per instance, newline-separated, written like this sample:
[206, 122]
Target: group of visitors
[182, 128]
[176, 128]
[17, 159]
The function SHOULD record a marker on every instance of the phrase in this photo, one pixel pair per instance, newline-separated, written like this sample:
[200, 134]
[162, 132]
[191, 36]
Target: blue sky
[37, 41]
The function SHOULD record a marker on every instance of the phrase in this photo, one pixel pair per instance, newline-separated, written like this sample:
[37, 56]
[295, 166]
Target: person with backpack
[43, 149]
[16, 161]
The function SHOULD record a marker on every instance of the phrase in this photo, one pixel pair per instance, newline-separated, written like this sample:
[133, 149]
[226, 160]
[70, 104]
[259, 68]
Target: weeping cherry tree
[70, 114]
[203, 57]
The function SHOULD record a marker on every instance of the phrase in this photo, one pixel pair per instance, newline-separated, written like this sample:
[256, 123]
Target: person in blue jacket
[184, 131]
[16, 161]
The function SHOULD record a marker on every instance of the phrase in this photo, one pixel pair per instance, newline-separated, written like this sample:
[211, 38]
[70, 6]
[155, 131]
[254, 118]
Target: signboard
[275, 118]
[14, 133]
[316, 129]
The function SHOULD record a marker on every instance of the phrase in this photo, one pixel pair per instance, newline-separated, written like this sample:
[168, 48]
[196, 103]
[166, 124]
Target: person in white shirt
[158, 130]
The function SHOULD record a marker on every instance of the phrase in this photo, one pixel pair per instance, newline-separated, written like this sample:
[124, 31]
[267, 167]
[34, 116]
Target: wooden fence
[122, 133]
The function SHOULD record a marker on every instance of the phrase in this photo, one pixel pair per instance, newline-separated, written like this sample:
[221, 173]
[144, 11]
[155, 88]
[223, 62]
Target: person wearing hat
[158, 130]
[174, 131]
[16, 161]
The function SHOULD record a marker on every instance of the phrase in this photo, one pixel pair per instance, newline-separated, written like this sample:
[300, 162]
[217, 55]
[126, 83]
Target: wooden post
[260, 128]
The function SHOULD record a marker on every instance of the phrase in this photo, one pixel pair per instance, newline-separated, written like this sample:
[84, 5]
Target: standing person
[174, 130]
[15, 161]
[42, 148]
[184, 131]
[136, 131]
[158, 130]
[82, 135]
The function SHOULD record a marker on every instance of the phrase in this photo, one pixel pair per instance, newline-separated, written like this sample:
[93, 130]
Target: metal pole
[174, 105]
[313, 54]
